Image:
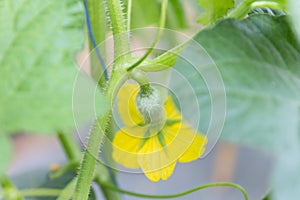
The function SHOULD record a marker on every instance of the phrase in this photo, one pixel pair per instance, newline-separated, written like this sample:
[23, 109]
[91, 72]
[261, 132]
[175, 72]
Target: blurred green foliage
[38, 41]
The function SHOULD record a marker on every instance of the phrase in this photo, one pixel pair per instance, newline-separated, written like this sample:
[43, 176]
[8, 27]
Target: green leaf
[38, 43]
[214, 10]
[259, 61]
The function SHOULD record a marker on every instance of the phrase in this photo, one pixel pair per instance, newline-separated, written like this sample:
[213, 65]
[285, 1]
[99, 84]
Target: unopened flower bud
[151, 106]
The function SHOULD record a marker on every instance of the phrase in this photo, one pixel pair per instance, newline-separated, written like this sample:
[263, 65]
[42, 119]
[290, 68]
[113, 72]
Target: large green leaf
[214, 10]
[259, 61]
[38, 43]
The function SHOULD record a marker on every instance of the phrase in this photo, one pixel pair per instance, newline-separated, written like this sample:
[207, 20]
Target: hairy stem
[89, 161]
[120, 30]
[86, 173]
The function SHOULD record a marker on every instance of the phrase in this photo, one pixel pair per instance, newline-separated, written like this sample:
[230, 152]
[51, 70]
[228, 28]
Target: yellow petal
[150, 155]
[197, 144]
[153, 156]
[125, 146]
[176, 141]
[126, 105]
[171, 110]
[161, 174]
[183, 143]
[154, 160]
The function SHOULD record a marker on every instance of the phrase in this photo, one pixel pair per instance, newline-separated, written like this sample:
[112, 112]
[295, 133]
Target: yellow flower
[154, 151]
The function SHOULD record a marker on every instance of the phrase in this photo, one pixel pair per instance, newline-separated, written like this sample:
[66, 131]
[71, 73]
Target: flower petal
[126, 145]
[197, 144]
[183, 143]
[176, 141]
[171, 110]
[161, 174]
[154, 160]
[126, 105]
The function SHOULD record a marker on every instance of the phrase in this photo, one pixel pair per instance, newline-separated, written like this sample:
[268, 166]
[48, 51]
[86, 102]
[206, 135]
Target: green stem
[40, 192]
[87, 168]
[58, 192]
[119, 29]
[163, 15]
[121, 50]
[210, 185]
[118, 78]
[96, 10]
[70, 146]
